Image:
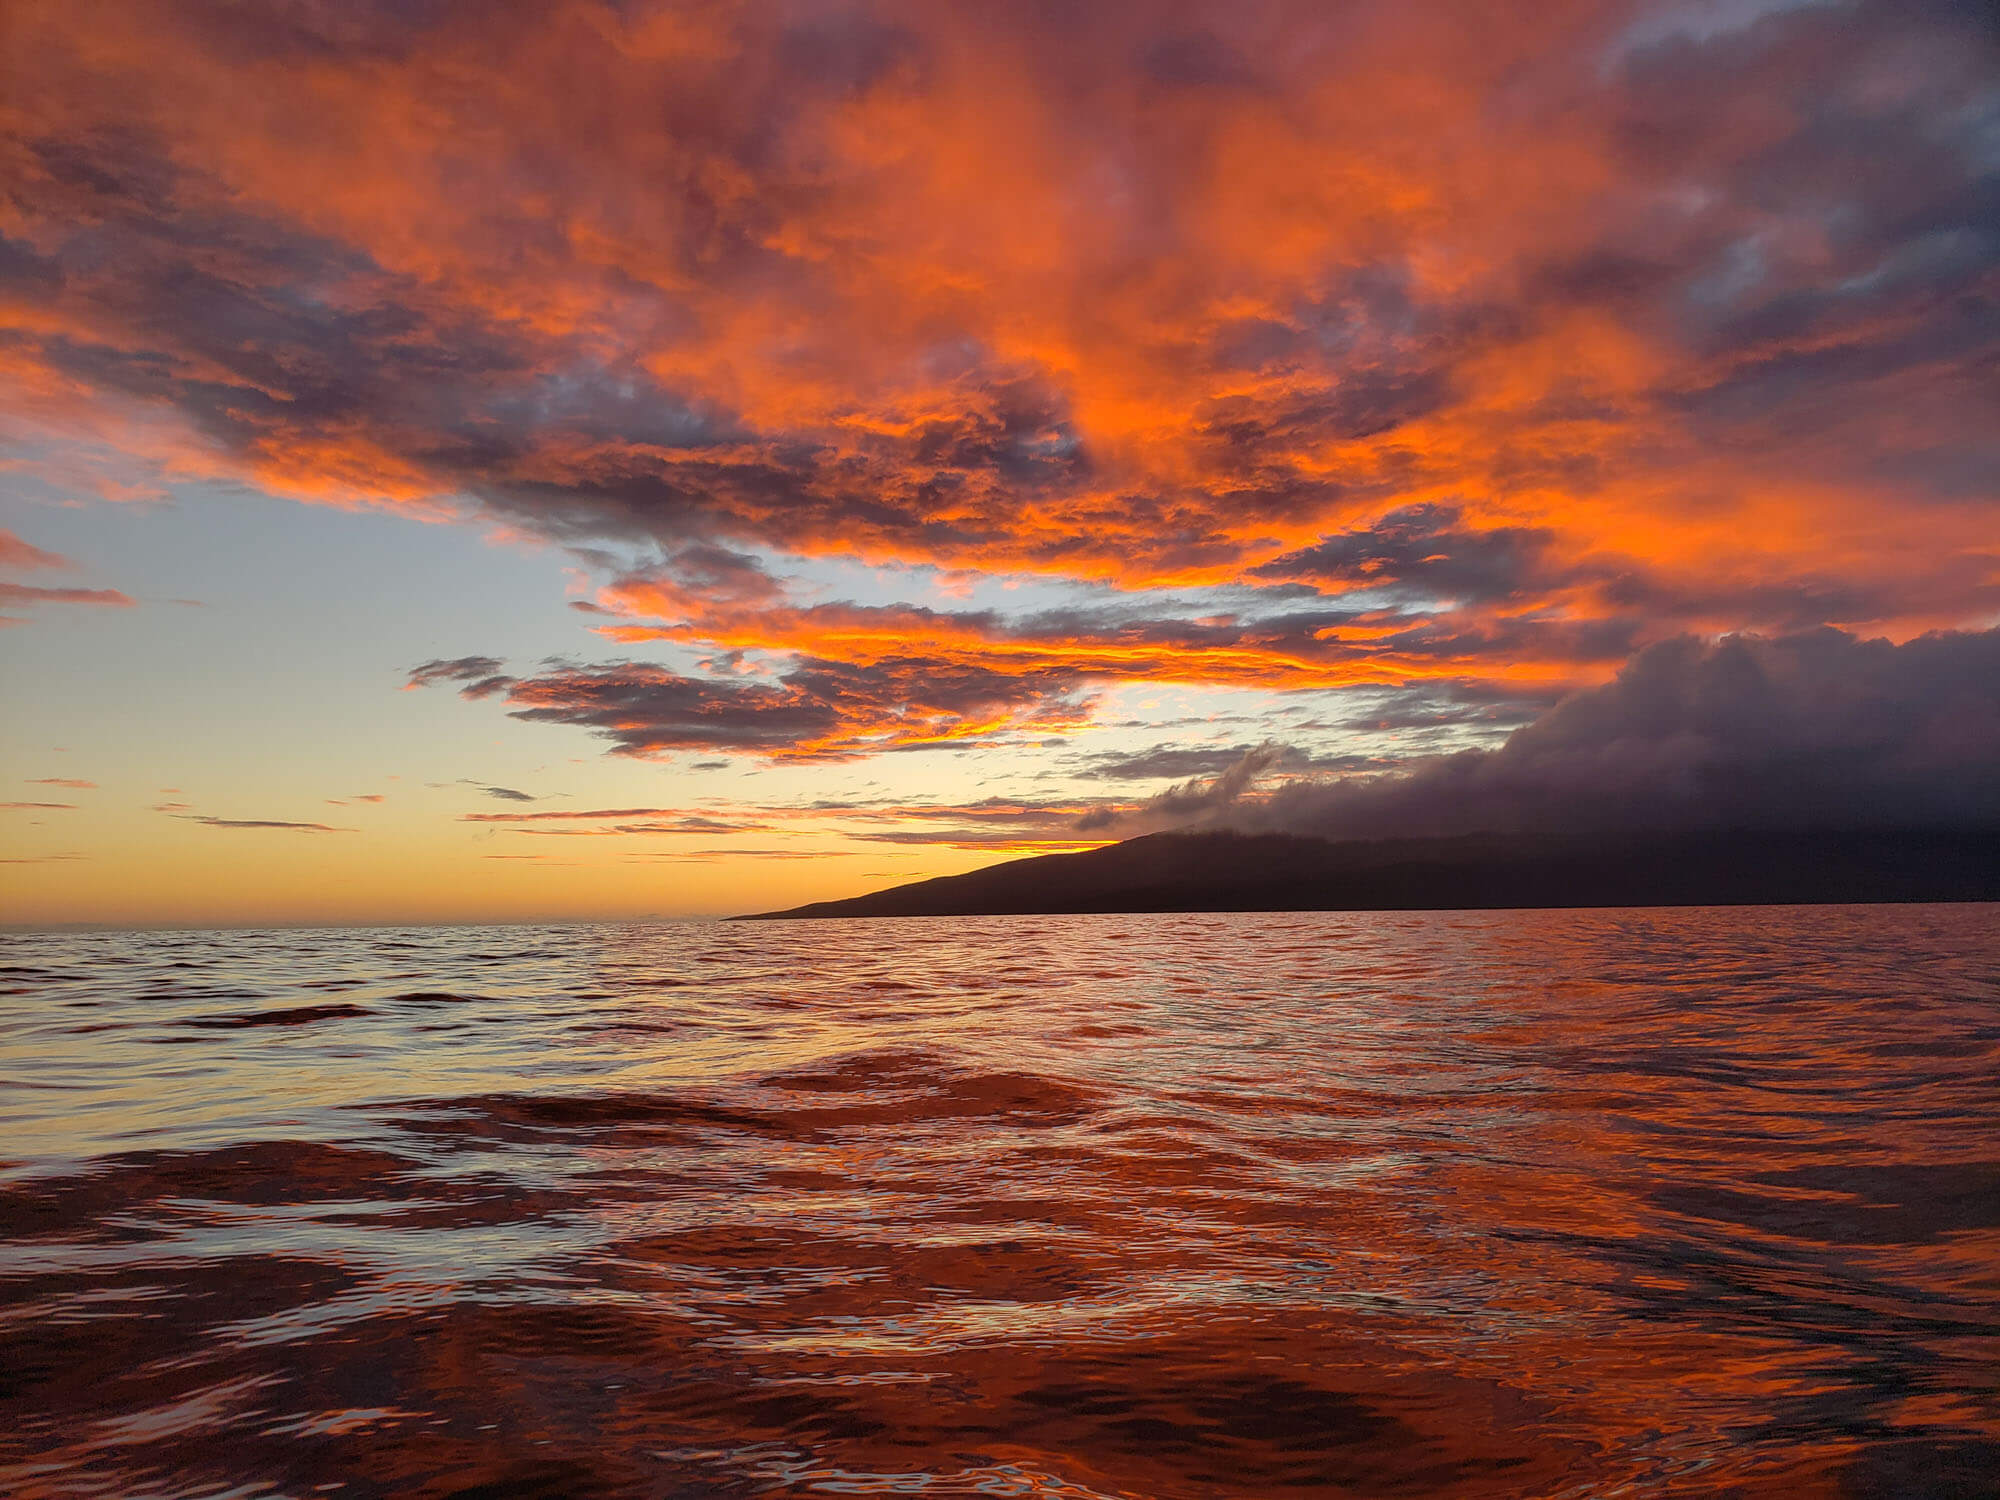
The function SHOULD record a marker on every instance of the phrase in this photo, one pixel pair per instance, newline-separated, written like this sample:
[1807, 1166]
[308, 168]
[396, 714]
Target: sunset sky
[481, 460]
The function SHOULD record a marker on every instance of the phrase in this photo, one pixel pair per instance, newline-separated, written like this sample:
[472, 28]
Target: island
[1226, 871]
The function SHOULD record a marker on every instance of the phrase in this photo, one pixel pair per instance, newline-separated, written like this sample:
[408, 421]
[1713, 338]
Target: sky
[484, 461]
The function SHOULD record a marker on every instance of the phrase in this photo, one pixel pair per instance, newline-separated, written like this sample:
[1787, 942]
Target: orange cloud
[20, 593]
[1358, 346]
[15, 553]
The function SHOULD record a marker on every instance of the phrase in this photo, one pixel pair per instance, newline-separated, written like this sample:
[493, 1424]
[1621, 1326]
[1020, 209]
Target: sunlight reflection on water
[1511, 1204]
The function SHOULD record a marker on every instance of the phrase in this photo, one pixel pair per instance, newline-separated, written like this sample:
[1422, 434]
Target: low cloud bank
[1191, 799]
[1819, 729]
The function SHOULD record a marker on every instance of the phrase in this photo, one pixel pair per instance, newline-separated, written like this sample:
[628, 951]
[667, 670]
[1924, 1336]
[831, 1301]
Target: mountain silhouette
[1221, 871]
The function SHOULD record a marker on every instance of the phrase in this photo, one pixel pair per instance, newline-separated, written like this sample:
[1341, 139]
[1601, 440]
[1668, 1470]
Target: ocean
[1549, 1204]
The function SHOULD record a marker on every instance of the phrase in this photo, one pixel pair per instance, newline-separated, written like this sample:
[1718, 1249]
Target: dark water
[1501, 1204]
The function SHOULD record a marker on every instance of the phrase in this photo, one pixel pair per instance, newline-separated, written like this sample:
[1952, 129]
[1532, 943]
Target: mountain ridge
[1228, 871]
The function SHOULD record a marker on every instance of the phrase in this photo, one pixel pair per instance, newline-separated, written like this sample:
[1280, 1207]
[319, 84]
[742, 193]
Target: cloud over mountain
[1817, 729]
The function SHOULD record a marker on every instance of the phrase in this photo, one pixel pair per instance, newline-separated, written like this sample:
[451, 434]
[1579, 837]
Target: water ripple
[1474, 1204]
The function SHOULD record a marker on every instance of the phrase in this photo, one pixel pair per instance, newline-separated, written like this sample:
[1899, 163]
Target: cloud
[816, 709]
[690, 824]
[1293, 347]
[21, 593]
[1178, 304]
[507, 794]
[886, 670]
[1815, 729]
[1429, 709]
[616, 820]
[1195, 762]
[997, 824]
[261, 823]
[705, 856]
[1192, 800]
[72, 782]
[15, 553]
[681, 825]
[1017, 825]
[917, 678]
[481, 675]
[693, 581]
[41, 806]
[572, 815]
[1423, 553]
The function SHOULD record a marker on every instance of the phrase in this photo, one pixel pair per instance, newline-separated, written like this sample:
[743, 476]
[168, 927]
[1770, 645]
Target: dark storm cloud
[1817, 729]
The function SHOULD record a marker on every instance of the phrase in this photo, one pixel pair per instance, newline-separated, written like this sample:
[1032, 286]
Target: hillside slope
[1280, 872]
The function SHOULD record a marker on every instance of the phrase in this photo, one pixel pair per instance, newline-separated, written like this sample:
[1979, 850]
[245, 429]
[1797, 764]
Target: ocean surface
[1590, 1204]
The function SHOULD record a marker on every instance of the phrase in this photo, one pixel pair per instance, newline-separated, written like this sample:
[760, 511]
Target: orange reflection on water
[1494, 1204]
